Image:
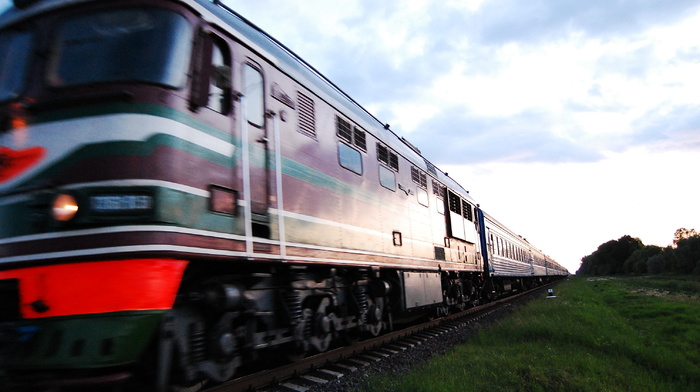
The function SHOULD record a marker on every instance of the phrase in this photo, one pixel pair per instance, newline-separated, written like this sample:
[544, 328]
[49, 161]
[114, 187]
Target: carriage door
[256, 140]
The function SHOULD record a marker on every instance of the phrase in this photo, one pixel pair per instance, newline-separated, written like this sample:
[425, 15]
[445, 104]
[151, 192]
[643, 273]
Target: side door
[255, 138]
[211, 102]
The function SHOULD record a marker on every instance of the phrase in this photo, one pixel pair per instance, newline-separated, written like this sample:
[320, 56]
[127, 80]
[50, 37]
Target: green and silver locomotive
[181, 195]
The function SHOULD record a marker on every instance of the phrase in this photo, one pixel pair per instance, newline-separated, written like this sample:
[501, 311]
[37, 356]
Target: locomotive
[182, 195]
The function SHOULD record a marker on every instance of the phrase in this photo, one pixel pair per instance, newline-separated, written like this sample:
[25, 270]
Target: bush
[687, 255]
[628, 255]
[656, 264]
[637, 262]
[610, 257]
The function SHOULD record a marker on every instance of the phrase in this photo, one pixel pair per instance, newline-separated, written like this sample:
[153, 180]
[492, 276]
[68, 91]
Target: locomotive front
[98, 169]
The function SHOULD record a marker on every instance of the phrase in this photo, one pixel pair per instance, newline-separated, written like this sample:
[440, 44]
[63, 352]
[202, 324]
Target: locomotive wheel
[375, 315]
[322, 326]
[190, 355]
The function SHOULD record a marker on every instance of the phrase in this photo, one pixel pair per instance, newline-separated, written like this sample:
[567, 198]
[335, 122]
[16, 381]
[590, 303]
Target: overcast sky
[572, 122]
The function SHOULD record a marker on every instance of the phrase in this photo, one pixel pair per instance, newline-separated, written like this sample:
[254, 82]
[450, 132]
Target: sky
[571, 122]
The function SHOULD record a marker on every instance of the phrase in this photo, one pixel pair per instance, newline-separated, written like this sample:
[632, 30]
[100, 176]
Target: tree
[629, 255]
[586, 267]
[637, 262]
[682, 234]
[609, 258]
[687, 255]
[655, 264]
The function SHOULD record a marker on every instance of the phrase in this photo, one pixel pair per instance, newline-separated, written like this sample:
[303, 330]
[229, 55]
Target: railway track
[331, 365]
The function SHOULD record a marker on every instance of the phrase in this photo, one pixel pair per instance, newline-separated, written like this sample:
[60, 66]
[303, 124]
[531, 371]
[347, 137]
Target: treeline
[628, 255]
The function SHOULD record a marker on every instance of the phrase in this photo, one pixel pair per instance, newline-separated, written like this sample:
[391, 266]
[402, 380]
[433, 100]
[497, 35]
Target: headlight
[64, 207]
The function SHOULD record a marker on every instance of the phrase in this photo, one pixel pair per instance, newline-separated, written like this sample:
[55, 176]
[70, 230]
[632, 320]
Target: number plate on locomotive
[106, 204]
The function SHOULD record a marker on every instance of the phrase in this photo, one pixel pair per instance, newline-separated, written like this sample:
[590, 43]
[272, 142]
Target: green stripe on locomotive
[82, 342]
[172, 206]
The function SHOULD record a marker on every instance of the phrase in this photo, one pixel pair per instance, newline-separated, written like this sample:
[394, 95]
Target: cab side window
[254, 92]
[212, 75]
[220, 78]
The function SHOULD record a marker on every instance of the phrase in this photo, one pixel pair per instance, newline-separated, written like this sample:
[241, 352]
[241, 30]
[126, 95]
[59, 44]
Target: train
[182, 196]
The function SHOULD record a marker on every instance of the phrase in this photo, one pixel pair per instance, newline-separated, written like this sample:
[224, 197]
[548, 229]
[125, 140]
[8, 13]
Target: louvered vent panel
[467, 211]
[415, 175]
[344, 130]
[419, 177]
[307, 115]
[382, 154]
[455, 203]
[360, 139]
[394, 161]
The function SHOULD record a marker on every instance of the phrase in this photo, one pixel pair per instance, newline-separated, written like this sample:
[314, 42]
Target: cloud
[545, 21]
[570, 97]
[674, 128]
[461, 138]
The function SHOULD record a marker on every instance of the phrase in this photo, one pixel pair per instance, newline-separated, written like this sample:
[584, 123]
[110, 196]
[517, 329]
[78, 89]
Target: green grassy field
[600, 334]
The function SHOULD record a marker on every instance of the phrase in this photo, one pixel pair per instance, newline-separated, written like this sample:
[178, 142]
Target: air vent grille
[307, 115]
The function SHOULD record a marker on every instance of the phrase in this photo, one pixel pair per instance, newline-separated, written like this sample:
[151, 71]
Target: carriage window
[422, 195]
[387, 178]
[440, 205]
[146, 45]
[255, 95]
[350, 158]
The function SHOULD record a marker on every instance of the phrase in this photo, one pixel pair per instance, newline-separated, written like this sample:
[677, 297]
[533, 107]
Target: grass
[621, 334]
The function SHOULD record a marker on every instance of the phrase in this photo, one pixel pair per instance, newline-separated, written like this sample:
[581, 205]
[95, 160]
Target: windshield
[123, 45]
[14, 58]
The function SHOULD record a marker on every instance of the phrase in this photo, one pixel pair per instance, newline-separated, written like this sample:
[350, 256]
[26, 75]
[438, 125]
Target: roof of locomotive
[285, 60]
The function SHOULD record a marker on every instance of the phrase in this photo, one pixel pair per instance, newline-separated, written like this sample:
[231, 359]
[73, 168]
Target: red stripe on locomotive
[97, 287]
[14, 163]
